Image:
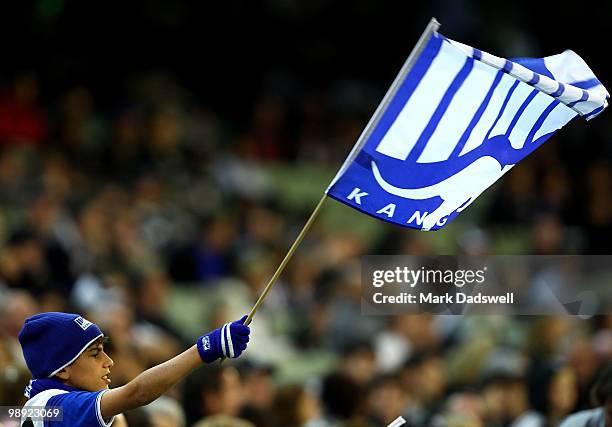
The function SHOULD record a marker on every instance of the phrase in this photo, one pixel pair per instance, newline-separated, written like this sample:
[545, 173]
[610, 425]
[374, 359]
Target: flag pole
[285, 261]
[432, 26]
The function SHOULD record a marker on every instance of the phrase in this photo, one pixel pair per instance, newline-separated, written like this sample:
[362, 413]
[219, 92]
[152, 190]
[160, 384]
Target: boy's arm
[150, 384]
[228, 341]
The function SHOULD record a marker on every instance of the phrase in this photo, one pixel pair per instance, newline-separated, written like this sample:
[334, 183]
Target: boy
[71, 371]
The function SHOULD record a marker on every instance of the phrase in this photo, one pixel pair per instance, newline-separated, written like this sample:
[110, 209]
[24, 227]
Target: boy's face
[90, 370]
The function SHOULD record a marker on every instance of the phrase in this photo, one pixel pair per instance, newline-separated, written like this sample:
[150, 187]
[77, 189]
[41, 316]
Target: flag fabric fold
[456, 122]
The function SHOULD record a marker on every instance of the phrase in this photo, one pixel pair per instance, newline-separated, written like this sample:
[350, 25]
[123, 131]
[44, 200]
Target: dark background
[224, 52]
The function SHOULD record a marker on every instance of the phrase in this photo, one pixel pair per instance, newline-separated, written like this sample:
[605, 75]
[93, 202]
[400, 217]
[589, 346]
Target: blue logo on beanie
[51, 341]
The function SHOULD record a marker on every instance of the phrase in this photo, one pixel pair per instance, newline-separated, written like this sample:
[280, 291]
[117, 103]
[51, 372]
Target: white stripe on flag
[528, 119]
[585, 107]
[519, 95]
[568, 67]
[468, 50]
[477, 137]
[558, 117]
[410, 122]
[492, 60]
[459, 114]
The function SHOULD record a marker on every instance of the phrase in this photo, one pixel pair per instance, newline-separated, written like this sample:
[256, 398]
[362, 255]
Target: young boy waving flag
[71, 372]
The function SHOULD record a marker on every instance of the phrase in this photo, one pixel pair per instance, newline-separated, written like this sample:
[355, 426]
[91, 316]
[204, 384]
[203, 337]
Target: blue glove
[229, 341]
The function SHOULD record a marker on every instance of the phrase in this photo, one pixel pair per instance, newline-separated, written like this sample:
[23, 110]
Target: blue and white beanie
[51, 341]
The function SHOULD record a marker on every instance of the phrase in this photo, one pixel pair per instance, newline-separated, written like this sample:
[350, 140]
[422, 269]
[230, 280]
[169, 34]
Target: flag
[454, 121]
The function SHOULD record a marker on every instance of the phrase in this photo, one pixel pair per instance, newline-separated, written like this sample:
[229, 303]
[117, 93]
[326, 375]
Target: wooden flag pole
[283, 264]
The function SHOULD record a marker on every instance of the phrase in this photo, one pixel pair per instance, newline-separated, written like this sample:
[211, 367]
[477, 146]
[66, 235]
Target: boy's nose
[109, 361]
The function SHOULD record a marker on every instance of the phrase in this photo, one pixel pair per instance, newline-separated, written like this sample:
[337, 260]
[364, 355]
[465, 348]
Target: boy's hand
[229, 341]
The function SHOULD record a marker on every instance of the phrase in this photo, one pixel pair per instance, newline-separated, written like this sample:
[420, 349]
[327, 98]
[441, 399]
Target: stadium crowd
[162, 219]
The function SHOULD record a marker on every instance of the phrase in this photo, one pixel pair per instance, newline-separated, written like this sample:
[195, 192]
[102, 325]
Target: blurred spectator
[386, 400]
[150, 295]
[81, 131]
[405, 335]
[293, 407]
[15, 307]
[553, 392]
[210, 391]
[494, 391]
[22, 120]
[601, 396]
[462, 410]
[342, 399]
[425, 379]
[165, 412]
[23, 264]
[268, 140]
[518, 409]
[212, 256]
[137, 418]
[259, 393]
[583, 359]
[223, 421]
[357, 361]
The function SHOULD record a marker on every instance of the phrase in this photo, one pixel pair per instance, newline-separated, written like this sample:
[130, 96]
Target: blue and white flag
[455, 120]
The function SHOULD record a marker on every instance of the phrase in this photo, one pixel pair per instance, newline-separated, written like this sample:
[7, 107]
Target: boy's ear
[63, 374]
